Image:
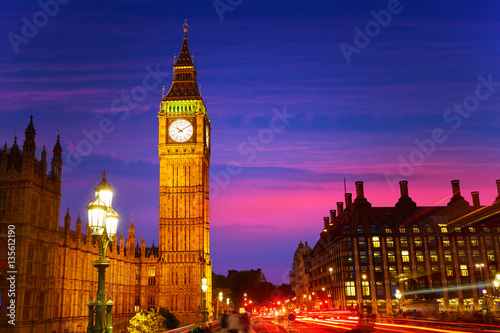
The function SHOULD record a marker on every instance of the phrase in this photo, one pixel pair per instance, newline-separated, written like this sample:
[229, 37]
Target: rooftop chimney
[405, 200]
[333, 214]
[359, 190]
[348, 200]
[340, 207]
[455, 185]
[326, 222]
[498, 190]
[475, 199]
[360, 196]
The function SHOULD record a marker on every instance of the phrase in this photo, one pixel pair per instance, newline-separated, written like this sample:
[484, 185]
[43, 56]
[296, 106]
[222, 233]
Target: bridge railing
[209, 327]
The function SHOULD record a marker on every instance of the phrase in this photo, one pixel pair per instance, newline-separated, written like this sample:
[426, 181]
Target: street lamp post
[496, 283]
[398, 296]
[103, 221]
[204, 288]
[363, 293]
[220, 303]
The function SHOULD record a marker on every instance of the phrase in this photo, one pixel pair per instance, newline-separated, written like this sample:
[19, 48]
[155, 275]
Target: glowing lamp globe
[97, 216]
[104, 191]
[111, 223]
[204, 285]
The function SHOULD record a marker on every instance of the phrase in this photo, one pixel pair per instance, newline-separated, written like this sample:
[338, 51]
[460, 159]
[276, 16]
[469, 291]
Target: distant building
[444, 255]
[55, 276]
[256, 275]
[299, 277]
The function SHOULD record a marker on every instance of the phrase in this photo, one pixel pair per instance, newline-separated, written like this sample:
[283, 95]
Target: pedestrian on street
[234, 322]
[245, 319]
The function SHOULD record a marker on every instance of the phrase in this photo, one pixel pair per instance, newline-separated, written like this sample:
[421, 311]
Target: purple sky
[357, 119]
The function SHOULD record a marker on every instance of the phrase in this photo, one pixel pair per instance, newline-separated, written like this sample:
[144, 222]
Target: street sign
[291, 317]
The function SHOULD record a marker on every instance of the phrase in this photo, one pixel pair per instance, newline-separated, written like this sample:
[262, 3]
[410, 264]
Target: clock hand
[185, 128]
[179, 129]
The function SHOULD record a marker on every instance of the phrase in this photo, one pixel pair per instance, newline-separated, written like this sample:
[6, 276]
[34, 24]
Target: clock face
[181, 130]
[207, 137]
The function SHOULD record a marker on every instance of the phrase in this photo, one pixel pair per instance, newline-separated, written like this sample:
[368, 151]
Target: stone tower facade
[184, 152]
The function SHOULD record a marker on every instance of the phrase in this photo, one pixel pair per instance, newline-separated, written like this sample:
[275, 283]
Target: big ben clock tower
[184, 152]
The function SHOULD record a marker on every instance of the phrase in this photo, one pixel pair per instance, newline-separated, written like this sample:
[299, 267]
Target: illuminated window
[444, 229]
[366, 288]
[362, 257]
[406, 270]
[493, 270]
[446, 242]
[349, 288]
[428, 229]
[376, 257]
[361, 242]
[378, 269]
[380, 288]
[420, 256]
[449, 271]
[460, 241]
[392, 271]
[389, 241]
[472, 229]
[388, 230]
[405, 256]
[433, 256]
[421, 269]
[376, 241]
[435, 268]
[404, 242]
[418, 242]
[361, 230]
[490, 254]
[402, 230]
[416, 229]
[462, 257]
[474, 241]
[486, 229]
[457, 229]
[151, 276]
[476, 256]
[391, 257]
[463, 270]
[447, 255]
[488, 241]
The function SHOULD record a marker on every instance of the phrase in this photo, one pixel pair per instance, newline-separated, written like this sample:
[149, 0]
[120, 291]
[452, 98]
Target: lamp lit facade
[408, 248]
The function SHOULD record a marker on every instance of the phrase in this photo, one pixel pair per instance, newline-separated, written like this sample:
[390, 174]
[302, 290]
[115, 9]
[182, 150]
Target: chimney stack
[455, 185]
[340, 207]
[333, 214]
[475, 199]
[403, 186]
[359, 190]
[326, 222]
[348, 200]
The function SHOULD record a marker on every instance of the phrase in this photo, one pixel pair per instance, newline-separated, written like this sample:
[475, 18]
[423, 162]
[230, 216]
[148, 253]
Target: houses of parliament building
[55, 277]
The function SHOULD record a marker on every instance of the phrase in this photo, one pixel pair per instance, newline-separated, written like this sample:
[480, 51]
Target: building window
[435, 268]
[463, 270]
[490, 254]
[402, 230]
[420, 256]
[394, 287]
[460, 241]
[380, 288]
[388, 230]
[428, 229]
[462, 257]
[447, 255]
[449, 271]
[405, 256]
[431, 241]
[362, 242]
[446, 241]
[406, 270]
[474, 241]
[389, 241]
[374, 229]
[492, 269]
[366, 288]
[486, 229]
[444, 229]
[376, 257]
[416, 229]
[476, 257]
[376, 241]
[361, 230]
[391, 257]
[362, 257]
[404, 242]
[137, 276]
[472, 229]
[151, 276]
[421, 269]
[378, 269]
[3, 204]
[433, 255]
[349, 288]
[418, 242]
[488, 241]
[392, 271]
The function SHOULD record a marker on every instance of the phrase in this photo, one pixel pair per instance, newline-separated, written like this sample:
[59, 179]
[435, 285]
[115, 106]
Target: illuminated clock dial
[208, 137]
[181, 130]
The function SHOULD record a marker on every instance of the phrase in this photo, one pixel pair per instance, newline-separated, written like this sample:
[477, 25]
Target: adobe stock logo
[29, 29]
[372, 29]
